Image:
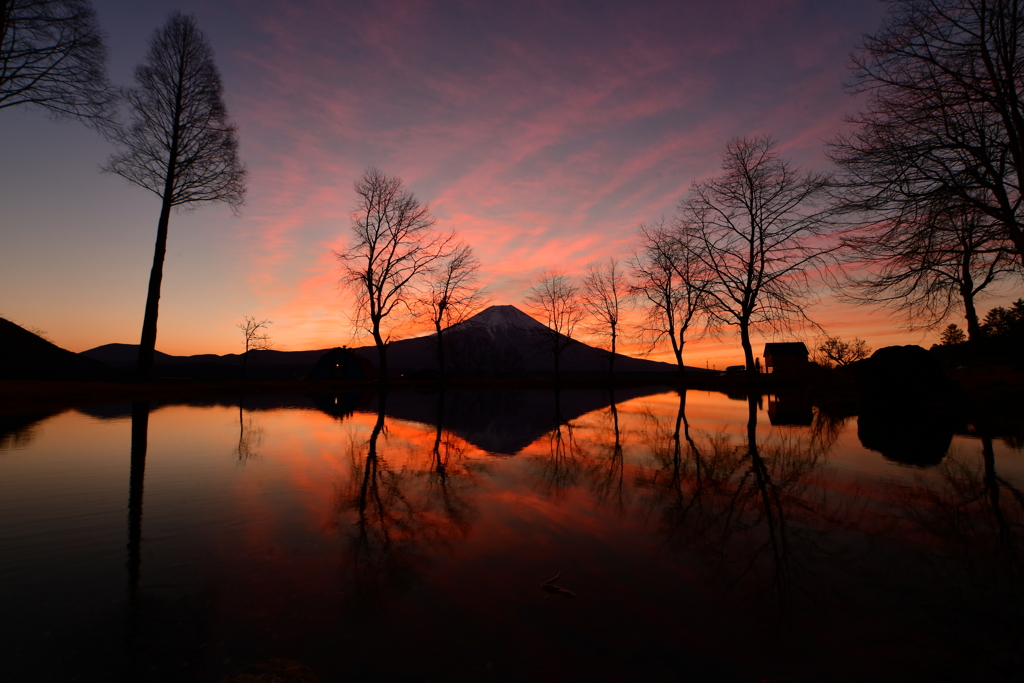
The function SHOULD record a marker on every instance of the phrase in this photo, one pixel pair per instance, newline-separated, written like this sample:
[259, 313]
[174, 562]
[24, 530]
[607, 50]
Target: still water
[519, 536]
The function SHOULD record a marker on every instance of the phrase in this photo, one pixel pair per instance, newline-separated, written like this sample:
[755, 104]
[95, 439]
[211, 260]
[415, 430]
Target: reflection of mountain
[16, 431]
[499, 340]
[27, 356]
[504, 422]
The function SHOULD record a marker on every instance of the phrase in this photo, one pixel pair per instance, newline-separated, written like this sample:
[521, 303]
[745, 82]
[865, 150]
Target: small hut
[785, 357]
[343, 364]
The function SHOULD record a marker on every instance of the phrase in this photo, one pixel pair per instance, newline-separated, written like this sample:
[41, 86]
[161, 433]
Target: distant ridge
[25, 355]
[500, 340]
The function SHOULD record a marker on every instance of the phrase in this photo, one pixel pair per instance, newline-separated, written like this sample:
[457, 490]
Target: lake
[509, 536]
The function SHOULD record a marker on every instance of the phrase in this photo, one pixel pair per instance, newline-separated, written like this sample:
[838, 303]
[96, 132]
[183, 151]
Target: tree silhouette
[180, 144]
[394, 247]
[452, 293]
[256, 337]
[944, 114]
[672, 280]
[758, 233]
[556, 299]
[835, 350]
[605, 296]
[52, 56]
[928, 265]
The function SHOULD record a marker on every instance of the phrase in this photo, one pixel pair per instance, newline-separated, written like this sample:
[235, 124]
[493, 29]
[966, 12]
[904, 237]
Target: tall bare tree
[605, 293]
[180, 144]
[671, 280]
[555, 298]
[452, 292]
[52, 56]
[256, 338]
[944, 114]
[394, 248]
[928, 266]
[760, 235]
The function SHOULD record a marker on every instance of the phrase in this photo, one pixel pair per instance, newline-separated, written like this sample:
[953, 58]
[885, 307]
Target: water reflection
[718, 534]
[910, 435]
[136, 485]
[734, 500]
[250, 435]
[392, 522]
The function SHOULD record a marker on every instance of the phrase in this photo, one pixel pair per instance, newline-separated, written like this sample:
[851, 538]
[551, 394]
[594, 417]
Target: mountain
[27, 356]
[500, 340]
[506, 341]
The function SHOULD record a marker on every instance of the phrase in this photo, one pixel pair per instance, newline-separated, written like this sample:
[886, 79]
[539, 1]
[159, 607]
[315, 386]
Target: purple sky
[543, 131]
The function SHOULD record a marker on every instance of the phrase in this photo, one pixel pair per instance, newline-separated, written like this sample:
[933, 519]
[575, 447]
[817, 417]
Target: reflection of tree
[733, 501]
[607, 472]
[394, 518]
[561, 468]
[136, 480]
[969, 521]
[250, 436]
[444, 473]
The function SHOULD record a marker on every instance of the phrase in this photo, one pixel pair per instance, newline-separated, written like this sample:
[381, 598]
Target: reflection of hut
[790, 410]
[342, 364]
[785, 356]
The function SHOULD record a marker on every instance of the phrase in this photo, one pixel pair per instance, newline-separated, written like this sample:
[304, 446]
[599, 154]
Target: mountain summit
[504, 340]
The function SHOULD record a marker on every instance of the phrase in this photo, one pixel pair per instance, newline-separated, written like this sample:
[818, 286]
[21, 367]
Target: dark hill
[27, 356]
[501, 341]
[263, 365]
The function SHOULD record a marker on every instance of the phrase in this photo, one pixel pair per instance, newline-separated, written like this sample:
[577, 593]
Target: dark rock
[896, 371]
[272, 671]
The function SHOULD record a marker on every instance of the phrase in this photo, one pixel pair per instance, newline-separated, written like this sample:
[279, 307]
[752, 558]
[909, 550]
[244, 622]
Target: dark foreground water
[714, 539]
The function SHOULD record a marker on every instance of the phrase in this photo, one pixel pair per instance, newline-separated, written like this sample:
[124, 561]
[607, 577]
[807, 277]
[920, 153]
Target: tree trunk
[676, 351]
[440, 347]
[245, 359]
[748, 351]
[967, 294]
[382, 353]
[679, 356]
[147, 344]
[611, 358]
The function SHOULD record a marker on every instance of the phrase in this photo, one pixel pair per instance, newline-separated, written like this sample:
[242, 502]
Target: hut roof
[778, 349]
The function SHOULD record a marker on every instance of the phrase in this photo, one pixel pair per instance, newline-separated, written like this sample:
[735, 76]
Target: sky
[543, 131]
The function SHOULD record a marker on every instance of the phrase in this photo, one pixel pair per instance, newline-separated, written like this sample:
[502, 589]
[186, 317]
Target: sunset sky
[544, 132]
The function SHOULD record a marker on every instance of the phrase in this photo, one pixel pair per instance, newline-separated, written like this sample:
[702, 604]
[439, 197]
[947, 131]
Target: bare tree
[452, 292]
[256, 337]
[672, 281]
[180, 144]
[556, 299]
[927, 267]
[760, 236]
[605, 294]
[393, 249]
[52, 56]
[944, 116]
[833, 350]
